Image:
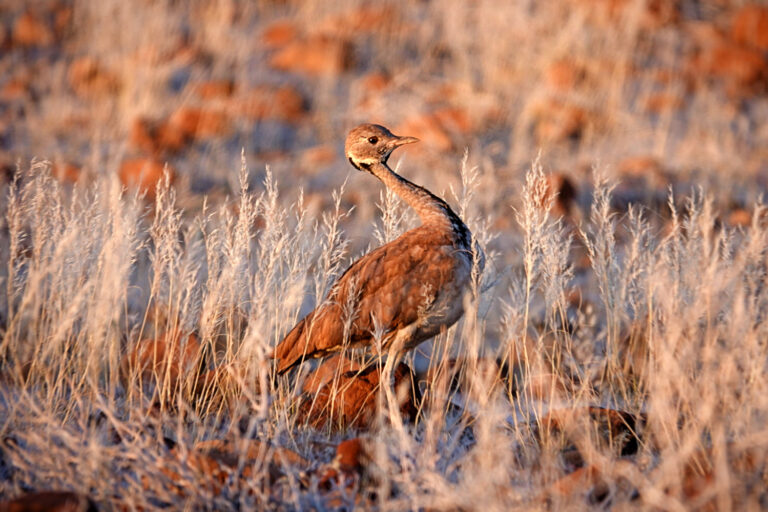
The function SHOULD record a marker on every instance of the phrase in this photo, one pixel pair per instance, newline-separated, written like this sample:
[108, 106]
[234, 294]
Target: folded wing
[383, 291]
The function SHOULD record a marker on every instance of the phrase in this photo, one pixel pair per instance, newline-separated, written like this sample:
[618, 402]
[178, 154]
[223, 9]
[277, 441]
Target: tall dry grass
[646, 303]
[670, 328]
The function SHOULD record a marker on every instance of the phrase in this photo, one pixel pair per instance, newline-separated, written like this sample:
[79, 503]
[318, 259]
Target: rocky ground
[135, 326]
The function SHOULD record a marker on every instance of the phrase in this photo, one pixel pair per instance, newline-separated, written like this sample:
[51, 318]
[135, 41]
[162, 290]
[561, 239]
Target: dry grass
[612, 354]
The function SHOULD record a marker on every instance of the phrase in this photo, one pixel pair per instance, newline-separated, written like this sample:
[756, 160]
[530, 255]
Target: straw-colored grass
[612, 354]
[671, 329]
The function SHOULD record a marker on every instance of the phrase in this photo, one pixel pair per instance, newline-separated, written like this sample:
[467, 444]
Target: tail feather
[294, 348]
[320, 332]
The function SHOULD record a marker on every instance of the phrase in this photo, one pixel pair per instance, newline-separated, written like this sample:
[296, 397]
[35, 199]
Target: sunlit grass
[671, 329]
[641, 299]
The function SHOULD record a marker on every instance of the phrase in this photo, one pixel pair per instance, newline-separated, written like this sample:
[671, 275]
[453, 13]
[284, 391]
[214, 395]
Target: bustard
[403, 292]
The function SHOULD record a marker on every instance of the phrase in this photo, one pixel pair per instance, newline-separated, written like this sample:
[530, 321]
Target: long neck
[432, 210]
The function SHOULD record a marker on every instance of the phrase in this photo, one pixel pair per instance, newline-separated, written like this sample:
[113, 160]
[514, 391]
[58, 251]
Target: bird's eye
[373, 140]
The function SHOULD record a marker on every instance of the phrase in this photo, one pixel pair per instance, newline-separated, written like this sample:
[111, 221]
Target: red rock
[49, 501]
[30, 30]
[174, 49]
[641, 171]
[555, 121]
[609, 13]
[62, 20]
[143, 135]
[15, 89]
[350, 454]
[214, 462]
[602, 10]
[279, 33]
[314, 55]
[318, 157]
[213, 89]
[350, 400]
[65, 172]
[658, 13]
[88, 77]
[369, 89]
[456, 120]
[229, 453]
[750, 26]
[166, 364]
[199, 123]
[375, 82]
[429, 131]
[577, 482]
[662, 102]
[347, 467]
[172, 134]
[266, 102]
[704, 33]
[563, 75]
[740, 217]
[640, 165]
[144, 174]
[438, 128]
[170, 137]
[362, 20]
[210, 471]
[739, 67]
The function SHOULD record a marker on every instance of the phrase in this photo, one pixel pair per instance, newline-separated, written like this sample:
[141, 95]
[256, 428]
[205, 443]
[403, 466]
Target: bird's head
[368, 144]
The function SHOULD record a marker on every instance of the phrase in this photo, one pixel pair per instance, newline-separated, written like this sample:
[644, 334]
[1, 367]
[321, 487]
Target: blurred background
[664, 97]
[656, 93]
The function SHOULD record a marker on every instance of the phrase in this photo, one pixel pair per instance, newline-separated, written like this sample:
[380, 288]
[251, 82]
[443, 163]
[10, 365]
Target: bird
[401, 293]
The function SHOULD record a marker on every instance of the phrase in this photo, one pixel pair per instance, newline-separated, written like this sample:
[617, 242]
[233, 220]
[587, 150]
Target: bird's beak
[400, 141]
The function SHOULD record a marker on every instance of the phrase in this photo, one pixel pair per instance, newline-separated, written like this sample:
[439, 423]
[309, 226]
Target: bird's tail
[292, 350]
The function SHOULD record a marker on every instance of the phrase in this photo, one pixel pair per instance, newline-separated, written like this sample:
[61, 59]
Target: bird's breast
[443, 303]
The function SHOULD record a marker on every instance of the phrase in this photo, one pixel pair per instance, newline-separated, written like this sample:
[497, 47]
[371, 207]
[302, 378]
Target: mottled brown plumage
[407, 290]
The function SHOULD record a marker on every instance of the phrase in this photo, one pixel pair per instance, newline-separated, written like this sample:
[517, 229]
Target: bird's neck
[432, 210]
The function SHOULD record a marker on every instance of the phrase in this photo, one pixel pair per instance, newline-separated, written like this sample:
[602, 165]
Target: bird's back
[413, 284]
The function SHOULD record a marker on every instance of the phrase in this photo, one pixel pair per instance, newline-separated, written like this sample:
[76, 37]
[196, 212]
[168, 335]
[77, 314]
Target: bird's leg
[386, 383]
[394, 354]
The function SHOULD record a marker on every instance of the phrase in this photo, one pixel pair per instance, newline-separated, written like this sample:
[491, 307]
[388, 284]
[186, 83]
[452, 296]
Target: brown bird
[401, 293]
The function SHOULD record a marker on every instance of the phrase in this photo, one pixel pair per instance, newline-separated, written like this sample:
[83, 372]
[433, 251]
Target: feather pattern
[408, 289]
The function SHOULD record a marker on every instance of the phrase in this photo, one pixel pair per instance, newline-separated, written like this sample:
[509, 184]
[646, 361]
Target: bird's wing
[308, 337]
[384, 291]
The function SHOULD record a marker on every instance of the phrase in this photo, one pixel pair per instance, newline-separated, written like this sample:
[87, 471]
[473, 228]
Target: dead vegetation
[193, 205]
